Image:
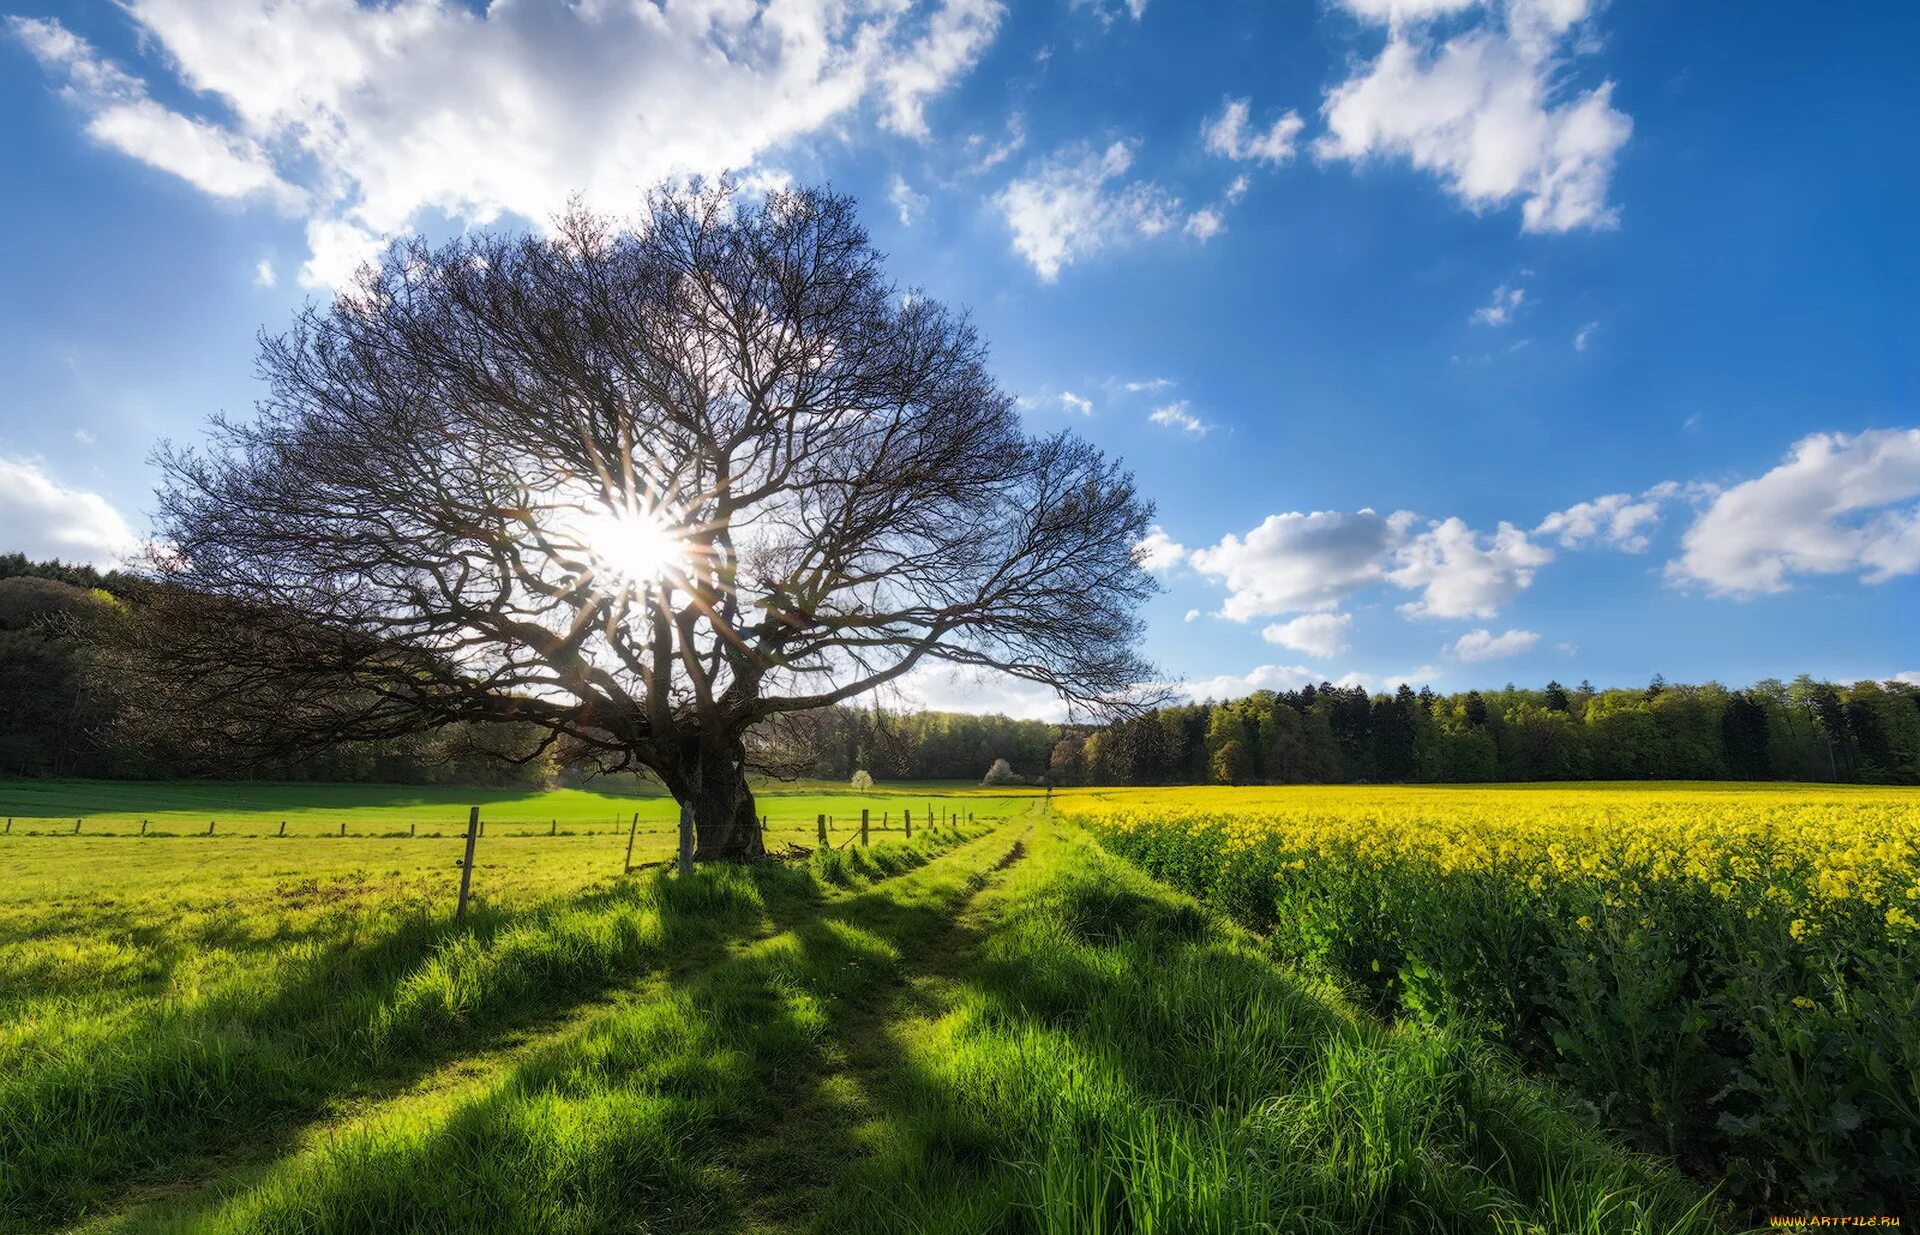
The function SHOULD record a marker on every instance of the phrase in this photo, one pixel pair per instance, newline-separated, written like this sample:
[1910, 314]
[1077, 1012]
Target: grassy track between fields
[1018, 1033]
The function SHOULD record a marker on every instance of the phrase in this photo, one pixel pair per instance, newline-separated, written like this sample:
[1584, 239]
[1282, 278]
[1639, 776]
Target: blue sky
[1467, 340]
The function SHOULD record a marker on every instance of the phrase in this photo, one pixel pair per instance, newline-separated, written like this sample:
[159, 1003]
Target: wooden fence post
[209, 827]
[466, 865]
[343, 824]
[143, 828]
[819, 820]
[76, 827]
[686, 839]
[9, 827]
[554, 828]
[632, 829]
[410, 828]
[283, 826]
[906, 821]
[863, 825]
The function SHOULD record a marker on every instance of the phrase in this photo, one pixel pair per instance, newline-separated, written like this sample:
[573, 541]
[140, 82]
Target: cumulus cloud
[1232, 135]
[1506, 302]
[1483, 645]
[1304, 563]
[1618, 519]
[1263, 677]
[981, 692]
[1176, 416]
[1838, 504]
[1316, 634]
[1298, 562]
[1077, 203]
[263, 274]
[1484, 109]
[908, 204]
[1206, 223]
[1074, 403]
[1193, 615]
[45, 519]
[1460, 573]
[364, 117]
[1158, 551]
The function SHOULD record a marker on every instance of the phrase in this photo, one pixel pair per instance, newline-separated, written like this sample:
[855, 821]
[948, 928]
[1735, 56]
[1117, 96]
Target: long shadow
[172, 1096]
[646, 1119]
[1189, 1064]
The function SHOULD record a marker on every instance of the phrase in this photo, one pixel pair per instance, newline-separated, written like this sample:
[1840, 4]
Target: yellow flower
[1801, 1001]
[1798, 928]
[1584, 922]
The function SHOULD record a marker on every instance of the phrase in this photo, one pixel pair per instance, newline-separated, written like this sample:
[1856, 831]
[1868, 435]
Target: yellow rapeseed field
[1726, 974]
[1805, 846]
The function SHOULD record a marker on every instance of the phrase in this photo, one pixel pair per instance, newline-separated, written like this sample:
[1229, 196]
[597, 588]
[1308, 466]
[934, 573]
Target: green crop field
[1004, 1027]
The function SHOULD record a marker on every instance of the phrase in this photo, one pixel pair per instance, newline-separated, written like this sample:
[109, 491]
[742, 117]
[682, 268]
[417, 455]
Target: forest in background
[61, 718]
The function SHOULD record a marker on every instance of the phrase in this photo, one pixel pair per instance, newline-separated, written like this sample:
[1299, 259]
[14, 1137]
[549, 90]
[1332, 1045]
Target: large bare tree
[647, 487]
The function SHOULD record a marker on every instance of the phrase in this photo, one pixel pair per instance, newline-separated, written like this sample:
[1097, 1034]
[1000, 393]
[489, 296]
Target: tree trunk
[726, 824]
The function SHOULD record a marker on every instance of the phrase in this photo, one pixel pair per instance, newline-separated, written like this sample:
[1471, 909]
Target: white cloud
[1148, 384]
[1911, 677]
[1298, 562]
[1074, 403]
[943, 689]
[1158, 551]
[1506, 302]
[1838, 504]
[263, 274]
[1396, 12]
[1193, 615]
[907, 203]
[1484, 109]
[1206, 223]
[1584, 335]
[1483, 645]
[123, 117]
[44, 519]
[85, 437]
[1176, 416]
[366, 117]
[1264, 677]
[1462, 574]
[1108, 11]
[1231, 135]
[1075, 204]
[1617, 519]
[987, 155]
[1316, 634]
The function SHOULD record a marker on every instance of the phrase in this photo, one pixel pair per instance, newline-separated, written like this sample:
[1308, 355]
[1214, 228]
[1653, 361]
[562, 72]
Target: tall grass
[1120, 1063]
[93, 1096]
[1722, 1007]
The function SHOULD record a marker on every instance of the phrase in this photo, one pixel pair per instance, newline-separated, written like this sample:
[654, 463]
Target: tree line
[63, 717]
[64, 714]
[1799, 730]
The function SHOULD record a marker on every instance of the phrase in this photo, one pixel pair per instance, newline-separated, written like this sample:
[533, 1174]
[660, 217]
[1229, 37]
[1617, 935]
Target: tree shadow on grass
[139, 1098]
[670, 1114]
[1119, 1064]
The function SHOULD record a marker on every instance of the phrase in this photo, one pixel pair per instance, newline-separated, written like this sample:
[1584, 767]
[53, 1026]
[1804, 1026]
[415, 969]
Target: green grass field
[1002, 1029]
[119, 807]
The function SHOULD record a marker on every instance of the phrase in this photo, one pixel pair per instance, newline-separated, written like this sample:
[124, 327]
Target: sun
[634, 547]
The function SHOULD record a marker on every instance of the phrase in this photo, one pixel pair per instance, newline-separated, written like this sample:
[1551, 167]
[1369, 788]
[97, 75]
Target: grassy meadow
[1011, 1027]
